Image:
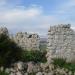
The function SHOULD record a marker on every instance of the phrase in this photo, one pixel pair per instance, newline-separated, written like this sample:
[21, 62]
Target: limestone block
[39, 73]
[30, 67]
[19, 73]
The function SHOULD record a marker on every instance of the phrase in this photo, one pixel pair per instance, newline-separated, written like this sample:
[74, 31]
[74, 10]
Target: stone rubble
[48, 70]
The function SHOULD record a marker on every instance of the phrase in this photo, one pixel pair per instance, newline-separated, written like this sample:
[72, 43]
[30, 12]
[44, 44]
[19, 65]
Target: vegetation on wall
[58, 62]
[35, 56]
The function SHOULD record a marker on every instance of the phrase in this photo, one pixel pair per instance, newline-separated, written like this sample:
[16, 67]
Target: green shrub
[58, 62]
[36, 56]
[70, 66]
[9, 51]
[3, 73]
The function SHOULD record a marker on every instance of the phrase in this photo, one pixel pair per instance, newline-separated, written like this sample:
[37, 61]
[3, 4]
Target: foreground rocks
[30, 68]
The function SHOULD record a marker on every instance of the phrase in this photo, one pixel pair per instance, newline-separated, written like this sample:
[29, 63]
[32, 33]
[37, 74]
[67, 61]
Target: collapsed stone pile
[30, 68]
[61, 42]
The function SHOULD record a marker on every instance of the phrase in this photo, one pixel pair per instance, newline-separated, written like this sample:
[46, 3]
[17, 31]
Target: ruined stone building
[61, 42]
[27, 41]
[23, 39]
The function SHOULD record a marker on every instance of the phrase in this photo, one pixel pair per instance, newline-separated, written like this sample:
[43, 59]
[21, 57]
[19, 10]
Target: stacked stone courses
[61, 42]
[27, 41]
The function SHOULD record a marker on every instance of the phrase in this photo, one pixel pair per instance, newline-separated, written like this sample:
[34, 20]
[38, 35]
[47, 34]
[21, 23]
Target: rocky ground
[32, 68]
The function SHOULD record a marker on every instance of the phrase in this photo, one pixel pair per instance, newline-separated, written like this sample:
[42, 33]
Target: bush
[70, 66]
[58, 62]
[43, 47]
[3, 73]
[9, 51]
[36, 56]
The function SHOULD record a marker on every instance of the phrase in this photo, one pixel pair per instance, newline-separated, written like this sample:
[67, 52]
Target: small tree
[9, 51]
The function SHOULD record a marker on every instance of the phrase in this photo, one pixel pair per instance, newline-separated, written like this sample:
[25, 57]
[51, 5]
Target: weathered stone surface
[33, 68]
[27, 41]
[30, 67]
[47, 69]
[39, 73]
[23, 39]
[17, 68]
[61, 42]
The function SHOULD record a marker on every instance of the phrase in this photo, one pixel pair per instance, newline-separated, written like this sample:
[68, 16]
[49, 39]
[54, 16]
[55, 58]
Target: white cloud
[29, 19]
[33, 19]
[19, 14]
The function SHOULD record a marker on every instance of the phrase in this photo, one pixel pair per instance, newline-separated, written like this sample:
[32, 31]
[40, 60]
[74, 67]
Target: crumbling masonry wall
[27, 41]
[23, 39]
[61, 42]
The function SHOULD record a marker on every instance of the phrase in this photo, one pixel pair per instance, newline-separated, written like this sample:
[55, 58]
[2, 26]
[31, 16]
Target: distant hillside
[43, 43]
[43, 40]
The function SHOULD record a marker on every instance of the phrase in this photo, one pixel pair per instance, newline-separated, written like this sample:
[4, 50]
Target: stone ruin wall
[61, 42]
[23, 39]
[27, 41]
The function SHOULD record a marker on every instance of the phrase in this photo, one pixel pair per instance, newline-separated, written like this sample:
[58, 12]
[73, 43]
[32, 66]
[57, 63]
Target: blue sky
[36, 16]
